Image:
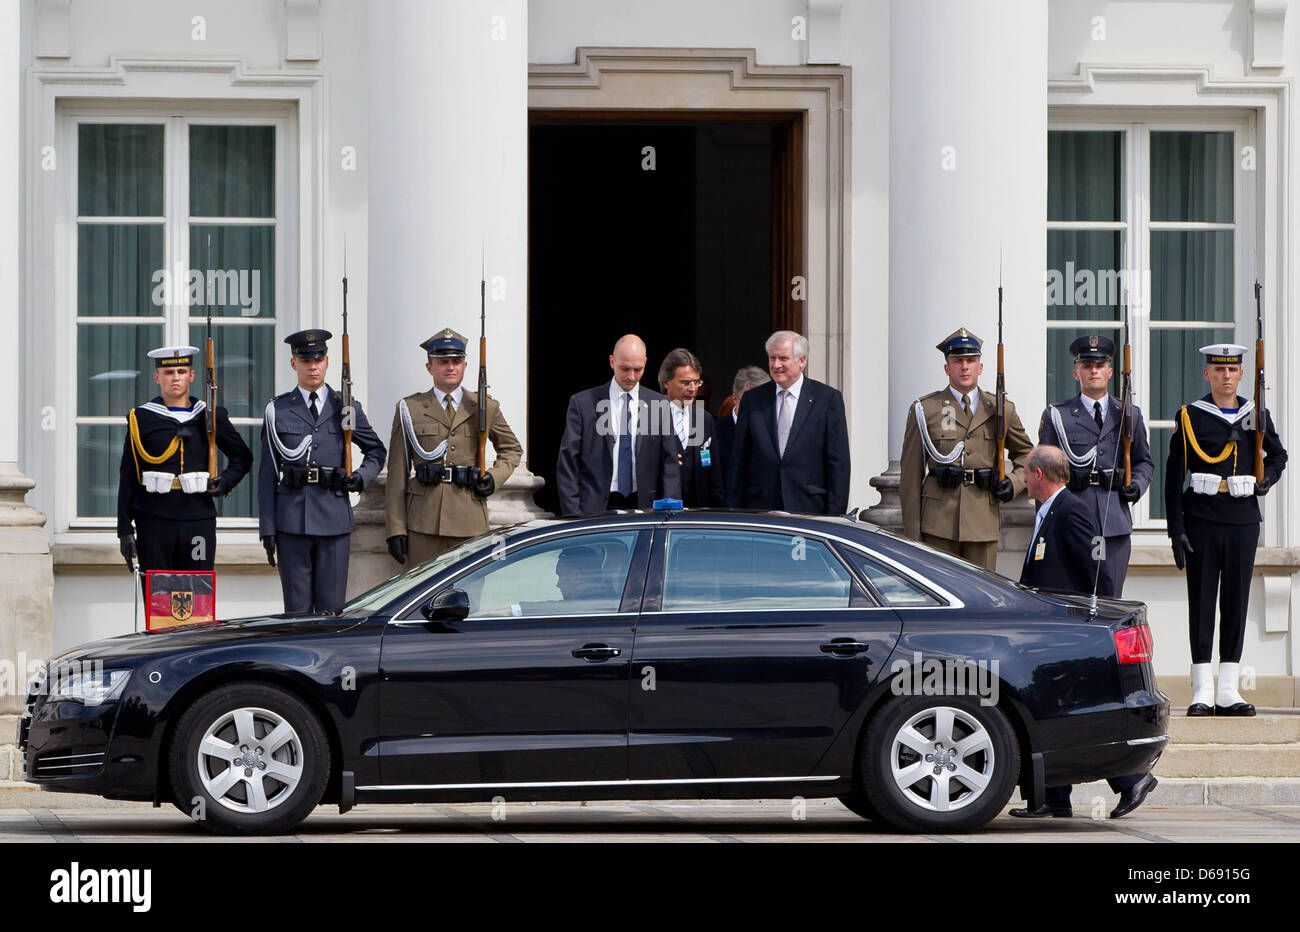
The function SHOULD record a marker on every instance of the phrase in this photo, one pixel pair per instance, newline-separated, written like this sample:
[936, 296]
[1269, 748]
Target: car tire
[859, 804]
[915, 781]
[227, 775]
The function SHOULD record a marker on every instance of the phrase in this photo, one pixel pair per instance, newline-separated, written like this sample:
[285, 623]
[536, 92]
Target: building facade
[865, 171]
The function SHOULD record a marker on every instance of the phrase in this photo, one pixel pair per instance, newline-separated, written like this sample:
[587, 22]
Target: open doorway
[686, 232]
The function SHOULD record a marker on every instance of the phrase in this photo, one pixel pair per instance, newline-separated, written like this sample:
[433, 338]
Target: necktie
[683, 431]
[451, 410]
[784, 418]
[965, 405]
[1096, 413]
[625, 447]
[315, 411]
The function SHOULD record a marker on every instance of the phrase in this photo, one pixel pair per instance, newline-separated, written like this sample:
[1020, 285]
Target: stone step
[1190, 791]
[1267, 727]
[1212, 761]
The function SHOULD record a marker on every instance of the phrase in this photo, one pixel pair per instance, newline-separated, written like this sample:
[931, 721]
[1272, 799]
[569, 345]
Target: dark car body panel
[742, 704]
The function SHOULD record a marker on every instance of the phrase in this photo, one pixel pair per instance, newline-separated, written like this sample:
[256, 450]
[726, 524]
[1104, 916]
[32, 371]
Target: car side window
[723, 570]
[581, 575]
[894, 588]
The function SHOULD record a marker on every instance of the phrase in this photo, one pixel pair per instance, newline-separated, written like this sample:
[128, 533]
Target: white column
[448, 192]
[968, 179]
[27, 583]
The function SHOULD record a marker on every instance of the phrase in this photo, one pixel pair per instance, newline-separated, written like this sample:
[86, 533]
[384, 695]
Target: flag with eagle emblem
[176, 598]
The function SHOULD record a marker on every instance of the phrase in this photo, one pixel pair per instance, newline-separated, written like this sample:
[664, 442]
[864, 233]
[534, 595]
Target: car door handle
[845, 647]
[595, 652]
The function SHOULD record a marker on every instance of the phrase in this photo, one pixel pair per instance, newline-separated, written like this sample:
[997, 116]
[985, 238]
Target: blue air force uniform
[303, 505]
[1096, 467]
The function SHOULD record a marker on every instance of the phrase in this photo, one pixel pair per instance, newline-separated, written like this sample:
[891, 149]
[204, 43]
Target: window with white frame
[1150, 218]
[173, 214]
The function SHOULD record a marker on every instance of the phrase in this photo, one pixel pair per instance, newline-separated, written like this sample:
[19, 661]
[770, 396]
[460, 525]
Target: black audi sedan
[679, 654]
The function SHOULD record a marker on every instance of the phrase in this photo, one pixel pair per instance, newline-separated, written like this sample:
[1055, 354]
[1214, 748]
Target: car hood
[131, 647]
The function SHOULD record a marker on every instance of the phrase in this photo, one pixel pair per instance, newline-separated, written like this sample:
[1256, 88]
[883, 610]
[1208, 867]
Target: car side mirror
[449, 605]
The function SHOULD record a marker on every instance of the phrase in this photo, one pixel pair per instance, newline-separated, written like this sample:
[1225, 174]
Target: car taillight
[1133, 644]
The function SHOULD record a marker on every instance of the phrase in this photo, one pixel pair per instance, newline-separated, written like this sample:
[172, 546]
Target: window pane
[232, 171]
[1083, 274]
[242, 503]
[1191, 275]
[119, 170]
[114, 374]
[99, 456]
[244, 261]
[1191, 177]
[893, 588]
[1084, 175]
[1177, 369]
[711, 569]
[575, 576]
[116, 267]
[245, 367]
[1160, 437]
[1061, 383]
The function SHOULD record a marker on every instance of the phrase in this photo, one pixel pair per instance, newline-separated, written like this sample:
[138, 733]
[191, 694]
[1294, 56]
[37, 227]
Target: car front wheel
[939, 763]
[249, 759]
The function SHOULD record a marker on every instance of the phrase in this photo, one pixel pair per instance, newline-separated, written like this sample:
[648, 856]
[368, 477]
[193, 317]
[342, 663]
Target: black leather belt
[330, 477]
[433, 474]
[950, 477]
[1082, 479]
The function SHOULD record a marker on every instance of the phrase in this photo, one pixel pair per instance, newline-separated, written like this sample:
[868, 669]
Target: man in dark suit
[618, 447]
[791, 451]
[1063, 554]
[724, 426]
[302, 487]
[693, 431]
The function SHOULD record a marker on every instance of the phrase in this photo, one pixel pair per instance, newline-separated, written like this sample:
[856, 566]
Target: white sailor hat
[1223, 354]
[166, 356]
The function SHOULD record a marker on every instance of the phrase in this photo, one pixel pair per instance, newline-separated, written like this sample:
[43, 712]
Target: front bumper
[67, 747]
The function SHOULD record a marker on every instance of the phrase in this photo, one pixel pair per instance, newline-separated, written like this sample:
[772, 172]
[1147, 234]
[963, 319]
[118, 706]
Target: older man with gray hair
[791, 451]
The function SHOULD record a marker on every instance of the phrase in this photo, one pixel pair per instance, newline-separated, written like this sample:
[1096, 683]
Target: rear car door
[532, 685]
[753, 649]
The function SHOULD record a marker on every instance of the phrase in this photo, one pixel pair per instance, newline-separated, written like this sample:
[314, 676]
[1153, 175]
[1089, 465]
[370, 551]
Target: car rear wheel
[249, 759]
[939, 763]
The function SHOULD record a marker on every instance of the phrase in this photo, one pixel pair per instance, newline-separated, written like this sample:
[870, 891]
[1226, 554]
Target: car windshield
[374, 599]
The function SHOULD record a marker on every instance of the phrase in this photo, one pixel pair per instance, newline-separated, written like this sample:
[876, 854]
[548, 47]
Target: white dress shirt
[973, 397]
[322, 396]
[456, 396]
[793, 401]
[617, 418]
[1088, 406]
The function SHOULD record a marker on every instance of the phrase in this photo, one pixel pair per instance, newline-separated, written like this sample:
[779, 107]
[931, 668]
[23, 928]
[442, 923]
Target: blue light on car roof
[667, 504]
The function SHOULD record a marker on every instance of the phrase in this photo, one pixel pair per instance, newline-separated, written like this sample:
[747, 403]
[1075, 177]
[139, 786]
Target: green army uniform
[951, 502]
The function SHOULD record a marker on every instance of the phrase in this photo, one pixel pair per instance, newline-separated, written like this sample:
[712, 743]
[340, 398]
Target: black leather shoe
[1240, 708]
[1042, 812]
[1199, 708]
[1131, 798]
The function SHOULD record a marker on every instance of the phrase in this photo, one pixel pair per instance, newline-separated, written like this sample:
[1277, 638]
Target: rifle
[482, 375]
[347, 374]
[210, 377]
[1259, 386]
[1001, 427]
[1126, 395]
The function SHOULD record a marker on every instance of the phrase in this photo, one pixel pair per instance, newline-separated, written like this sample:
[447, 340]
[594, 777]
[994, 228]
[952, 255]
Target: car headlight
[91, 687]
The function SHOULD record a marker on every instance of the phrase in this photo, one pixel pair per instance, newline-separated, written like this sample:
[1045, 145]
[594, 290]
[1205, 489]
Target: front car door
[753, 649]
[532, 685]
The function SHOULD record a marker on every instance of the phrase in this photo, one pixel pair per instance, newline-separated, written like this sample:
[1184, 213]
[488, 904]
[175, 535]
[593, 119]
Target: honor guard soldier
[1214, 522]
[163, 486]
[436, 496]
[949, 484]
[302, 485]
[1089, 428]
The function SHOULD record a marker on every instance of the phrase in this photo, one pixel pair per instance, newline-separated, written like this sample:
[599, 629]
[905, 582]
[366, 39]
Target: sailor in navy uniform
[1214, 521]
[1088, 428]
[163, 485]
[302, 489]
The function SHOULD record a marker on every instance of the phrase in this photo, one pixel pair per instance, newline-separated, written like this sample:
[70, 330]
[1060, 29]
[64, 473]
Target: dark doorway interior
[695, 253]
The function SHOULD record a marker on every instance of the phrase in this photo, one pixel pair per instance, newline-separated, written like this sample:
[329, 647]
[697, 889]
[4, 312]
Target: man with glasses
[693, 431]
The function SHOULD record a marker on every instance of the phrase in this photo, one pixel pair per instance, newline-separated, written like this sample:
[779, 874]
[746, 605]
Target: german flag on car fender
[176, 599]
